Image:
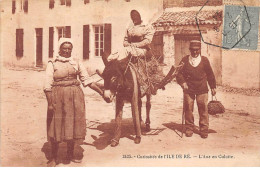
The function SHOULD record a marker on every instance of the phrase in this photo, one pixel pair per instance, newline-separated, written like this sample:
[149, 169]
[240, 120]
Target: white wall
[213, 53]
[241, 68]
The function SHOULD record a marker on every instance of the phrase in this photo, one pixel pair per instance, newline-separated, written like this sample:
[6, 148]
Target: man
[193, 79]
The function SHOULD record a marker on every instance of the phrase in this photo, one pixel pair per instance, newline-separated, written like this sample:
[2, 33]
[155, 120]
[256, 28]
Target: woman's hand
[98, 88]
[126, 44]
[49, 100]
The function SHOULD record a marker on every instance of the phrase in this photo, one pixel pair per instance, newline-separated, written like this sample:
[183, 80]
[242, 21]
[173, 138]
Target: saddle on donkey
[150, 74]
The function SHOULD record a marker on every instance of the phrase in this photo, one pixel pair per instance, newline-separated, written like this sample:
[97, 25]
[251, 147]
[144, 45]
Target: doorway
[182, 43]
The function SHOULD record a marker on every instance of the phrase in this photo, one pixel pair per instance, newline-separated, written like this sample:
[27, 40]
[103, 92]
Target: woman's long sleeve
[48, 81]
[84, 76]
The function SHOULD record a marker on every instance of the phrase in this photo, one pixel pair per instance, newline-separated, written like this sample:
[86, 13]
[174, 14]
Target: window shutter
[39, 32]
[107, 38]
[13, 6]
[68, 2]
[51, 4]
[51, 31]
[85, 41]
[19, 42]
[86, 1]
[67, 32]
[62, 2]
[25, 6]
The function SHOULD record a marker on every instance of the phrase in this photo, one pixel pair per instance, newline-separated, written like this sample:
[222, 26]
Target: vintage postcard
[130, 83]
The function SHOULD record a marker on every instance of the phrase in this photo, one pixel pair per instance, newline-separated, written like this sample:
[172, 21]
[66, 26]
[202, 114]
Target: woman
[137, 39]
[136, 43]
[66, 106]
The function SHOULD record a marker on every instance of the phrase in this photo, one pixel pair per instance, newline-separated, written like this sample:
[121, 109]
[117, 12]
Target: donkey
[120, 81]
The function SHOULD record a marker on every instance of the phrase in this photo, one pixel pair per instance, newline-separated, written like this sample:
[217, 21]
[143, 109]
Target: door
[182, 43]
[38, 47]
[214, 54]
[157, 46]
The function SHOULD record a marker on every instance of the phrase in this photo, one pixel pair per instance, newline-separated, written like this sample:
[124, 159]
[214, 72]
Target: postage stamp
[240, 27]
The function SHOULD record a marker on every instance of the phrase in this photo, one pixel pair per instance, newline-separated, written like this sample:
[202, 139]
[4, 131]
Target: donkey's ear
[104, 58]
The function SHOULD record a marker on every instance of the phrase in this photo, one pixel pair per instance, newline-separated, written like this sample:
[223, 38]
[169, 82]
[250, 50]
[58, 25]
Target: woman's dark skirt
[67, 121]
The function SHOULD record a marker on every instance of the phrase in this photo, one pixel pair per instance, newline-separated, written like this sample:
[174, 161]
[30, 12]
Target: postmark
[237, 25]
[214, 20]
[240, 29]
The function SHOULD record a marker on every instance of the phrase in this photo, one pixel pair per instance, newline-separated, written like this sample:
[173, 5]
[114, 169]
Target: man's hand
[50, 107]
[213, 92]
[185, 86]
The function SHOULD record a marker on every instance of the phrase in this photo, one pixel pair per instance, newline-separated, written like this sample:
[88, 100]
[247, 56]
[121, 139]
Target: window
[65, 2]
[99, 40]
[85, 41]
[19, 42]
[51, 4]
[25, 6]
[108, 38]
[13, 6]
[64, 32]
[51, 32]
[38, 32]
[86, 1]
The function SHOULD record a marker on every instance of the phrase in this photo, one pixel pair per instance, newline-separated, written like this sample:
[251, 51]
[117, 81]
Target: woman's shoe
[72, 159]
[76, 160]
[51, 163]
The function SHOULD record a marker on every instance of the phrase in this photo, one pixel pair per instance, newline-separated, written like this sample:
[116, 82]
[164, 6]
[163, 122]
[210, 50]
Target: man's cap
[195, 44]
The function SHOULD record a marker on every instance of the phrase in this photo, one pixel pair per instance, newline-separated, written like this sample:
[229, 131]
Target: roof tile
[188, 18]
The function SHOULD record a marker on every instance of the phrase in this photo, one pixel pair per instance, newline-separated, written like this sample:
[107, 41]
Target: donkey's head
[113, 76]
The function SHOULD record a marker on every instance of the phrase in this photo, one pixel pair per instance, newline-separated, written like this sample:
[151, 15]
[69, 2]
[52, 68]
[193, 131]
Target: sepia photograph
[130, 83]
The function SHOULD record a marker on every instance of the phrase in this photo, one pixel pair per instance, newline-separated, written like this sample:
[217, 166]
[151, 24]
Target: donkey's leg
[135, 109]
[140, 108]
[136, 120]
[118, 120]
[148, 108]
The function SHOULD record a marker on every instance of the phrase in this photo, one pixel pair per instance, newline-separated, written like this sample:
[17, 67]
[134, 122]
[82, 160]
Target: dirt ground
[233, 140]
